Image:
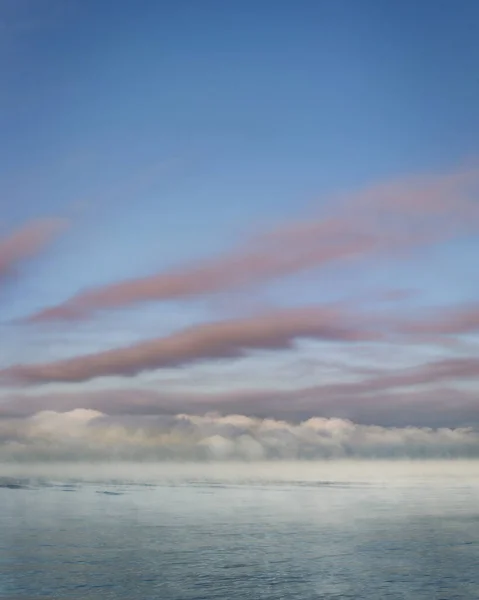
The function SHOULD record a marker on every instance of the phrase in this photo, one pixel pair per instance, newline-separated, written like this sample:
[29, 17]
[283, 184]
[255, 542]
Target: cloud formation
[26, 243]
[83, 434]
[391, 217]
[434, 372]
[389, 400]
[213, 341]
[455, 321]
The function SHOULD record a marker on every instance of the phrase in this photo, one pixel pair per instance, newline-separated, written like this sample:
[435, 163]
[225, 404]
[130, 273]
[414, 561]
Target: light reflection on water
[329, 532]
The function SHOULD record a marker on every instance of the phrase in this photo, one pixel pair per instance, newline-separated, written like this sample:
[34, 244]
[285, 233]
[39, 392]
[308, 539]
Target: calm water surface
[290, 532]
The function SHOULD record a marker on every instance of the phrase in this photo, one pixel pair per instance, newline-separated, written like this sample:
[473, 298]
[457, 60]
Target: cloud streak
[83, 434]
[234, 339]
[26, 243]
[454, 321]
[391, 217]
[213, 341]
[431, 373]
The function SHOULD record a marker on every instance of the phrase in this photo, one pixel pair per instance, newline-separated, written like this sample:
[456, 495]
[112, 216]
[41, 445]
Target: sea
[362, 530]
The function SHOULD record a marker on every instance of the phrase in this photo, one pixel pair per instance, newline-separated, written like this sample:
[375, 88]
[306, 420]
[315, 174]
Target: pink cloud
[213, 341]
[233, 271]
[26, 243]
[393, 217]
[235, 338]
[435, 372]
[461, 320]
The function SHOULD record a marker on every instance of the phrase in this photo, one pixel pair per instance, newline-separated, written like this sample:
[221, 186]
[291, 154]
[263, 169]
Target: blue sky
[172, 132]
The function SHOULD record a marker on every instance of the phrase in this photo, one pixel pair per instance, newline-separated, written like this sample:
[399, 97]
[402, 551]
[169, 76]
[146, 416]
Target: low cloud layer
[26, 243]
[380, 400]
[84, 434]
[393, 217]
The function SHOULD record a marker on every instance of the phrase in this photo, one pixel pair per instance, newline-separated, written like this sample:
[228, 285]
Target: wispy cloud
[275, 330]
[213, 341]
[90, 435]
[455, 321]
[449, 369]
[26, 243]
[392, 217]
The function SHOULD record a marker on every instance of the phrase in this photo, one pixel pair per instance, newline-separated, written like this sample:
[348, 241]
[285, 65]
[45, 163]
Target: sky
[255, 211]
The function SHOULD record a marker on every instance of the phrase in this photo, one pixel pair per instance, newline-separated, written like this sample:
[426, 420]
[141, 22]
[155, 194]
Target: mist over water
[372, 472]
[332, 529]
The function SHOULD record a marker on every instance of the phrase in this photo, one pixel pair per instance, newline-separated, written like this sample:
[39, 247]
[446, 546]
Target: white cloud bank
[84, 434]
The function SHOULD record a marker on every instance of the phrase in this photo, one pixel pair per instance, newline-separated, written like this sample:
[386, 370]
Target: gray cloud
[83, 434]
[423, 395]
